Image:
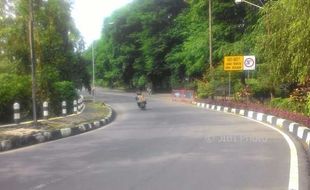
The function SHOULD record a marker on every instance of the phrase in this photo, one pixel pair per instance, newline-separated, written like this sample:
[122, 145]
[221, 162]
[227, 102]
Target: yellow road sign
[233, 63]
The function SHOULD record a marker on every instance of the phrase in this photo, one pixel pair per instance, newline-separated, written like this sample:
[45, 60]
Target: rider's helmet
[139, 92]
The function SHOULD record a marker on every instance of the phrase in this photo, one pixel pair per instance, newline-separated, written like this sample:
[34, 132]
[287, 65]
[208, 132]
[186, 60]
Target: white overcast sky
[90, 14]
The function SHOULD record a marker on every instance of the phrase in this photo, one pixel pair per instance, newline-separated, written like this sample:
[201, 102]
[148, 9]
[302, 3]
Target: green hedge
[14, 88]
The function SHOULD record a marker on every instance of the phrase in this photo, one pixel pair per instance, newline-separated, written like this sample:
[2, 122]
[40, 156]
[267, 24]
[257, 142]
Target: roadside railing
[78, 107]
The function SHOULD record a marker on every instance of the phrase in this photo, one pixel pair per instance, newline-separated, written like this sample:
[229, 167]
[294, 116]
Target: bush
[283, 103]
[205, 89]
[259, 91]
[14, 88]
[280, 102]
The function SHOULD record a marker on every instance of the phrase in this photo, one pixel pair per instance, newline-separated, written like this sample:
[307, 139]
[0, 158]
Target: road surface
[170, 146]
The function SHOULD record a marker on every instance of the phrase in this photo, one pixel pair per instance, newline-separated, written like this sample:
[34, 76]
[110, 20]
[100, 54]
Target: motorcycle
[142, 105]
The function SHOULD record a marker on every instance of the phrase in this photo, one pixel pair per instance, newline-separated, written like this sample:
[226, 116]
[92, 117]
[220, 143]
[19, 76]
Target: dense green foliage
[135, 42]
[164, 43]
[58, 47]
[13, 88]
[284, 43]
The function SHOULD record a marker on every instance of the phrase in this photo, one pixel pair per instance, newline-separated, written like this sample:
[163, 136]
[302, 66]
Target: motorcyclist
[140, 98]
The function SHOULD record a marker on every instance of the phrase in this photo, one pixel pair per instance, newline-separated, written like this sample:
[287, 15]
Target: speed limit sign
[249, 63]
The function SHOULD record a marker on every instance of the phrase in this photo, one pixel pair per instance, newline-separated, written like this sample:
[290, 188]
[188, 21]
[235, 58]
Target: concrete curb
[300, 132]
[40, 137]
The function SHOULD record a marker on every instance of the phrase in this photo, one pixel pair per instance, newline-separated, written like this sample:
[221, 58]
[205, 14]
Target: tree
[283, 43]
[232, 29]
[138, 57]
[58, 45]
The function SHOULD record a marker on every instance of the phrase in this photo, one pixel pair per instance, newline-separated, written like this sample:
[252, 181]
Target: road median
[95, 115]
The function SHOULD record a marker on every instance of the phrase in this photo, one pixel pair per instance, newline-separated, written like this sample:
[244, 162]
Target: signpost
[238, 63]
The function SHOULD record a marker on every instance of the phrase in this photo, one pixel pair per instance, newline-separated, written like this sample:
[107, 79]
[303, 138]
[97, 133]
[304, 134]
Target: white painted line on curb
[233, 110]
[225, 109]
[269, 118]
[291, 127]
[300, 131]
[97, 123]
[250, 114]
[241, 112]
[218, 108]
[294, 173]
[308, 139]
[65, 132]
[260, 116]
[280, 122]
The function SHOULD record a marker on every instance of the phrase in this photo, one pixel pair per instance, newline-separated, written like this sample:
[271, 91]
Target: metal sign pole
[229, 85]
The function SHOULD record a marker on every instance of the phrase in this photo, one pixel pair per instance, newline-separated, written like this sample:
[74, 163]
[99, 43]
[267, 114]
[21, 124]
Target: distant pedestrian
[149, 91]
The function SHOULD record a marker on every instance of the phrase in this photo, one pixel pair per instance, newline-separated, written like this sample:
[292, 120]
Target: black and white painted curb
[21, 141]
[301, 132]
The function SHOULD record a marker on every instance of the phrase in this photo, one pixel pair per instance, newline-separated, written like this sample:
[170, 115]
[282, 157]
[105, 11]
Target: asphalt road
[169, 146]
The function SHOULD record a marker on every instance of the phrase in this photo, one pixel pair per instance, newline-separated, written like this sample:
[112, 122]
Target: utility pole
[210, 36]
[93, 57]
[32, 58]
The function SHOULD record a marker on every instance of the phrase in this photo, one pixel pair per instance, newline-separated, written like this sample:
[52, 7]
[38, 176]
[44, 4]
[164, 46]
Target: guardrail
[78, 107]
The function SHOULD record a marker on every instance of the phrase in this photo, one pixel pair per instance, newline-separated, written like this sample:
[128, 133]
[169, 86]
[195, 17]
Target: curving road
[169, 146]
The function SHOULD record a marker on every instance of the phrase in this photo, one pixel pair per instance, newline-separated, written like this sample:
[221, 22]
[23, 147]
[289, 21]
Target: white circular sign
[249, 63]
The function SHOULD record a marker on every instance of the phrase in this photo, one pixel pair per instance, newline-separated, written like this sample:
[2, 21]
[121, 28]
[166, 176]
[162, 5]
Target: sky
[90, 14]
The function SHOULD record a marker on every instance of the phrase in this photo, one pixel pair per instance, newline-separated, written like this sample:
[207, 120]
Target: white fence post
[64, 108]
[16, 108]
[75, 107]
[80, 103]
[45, 110]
